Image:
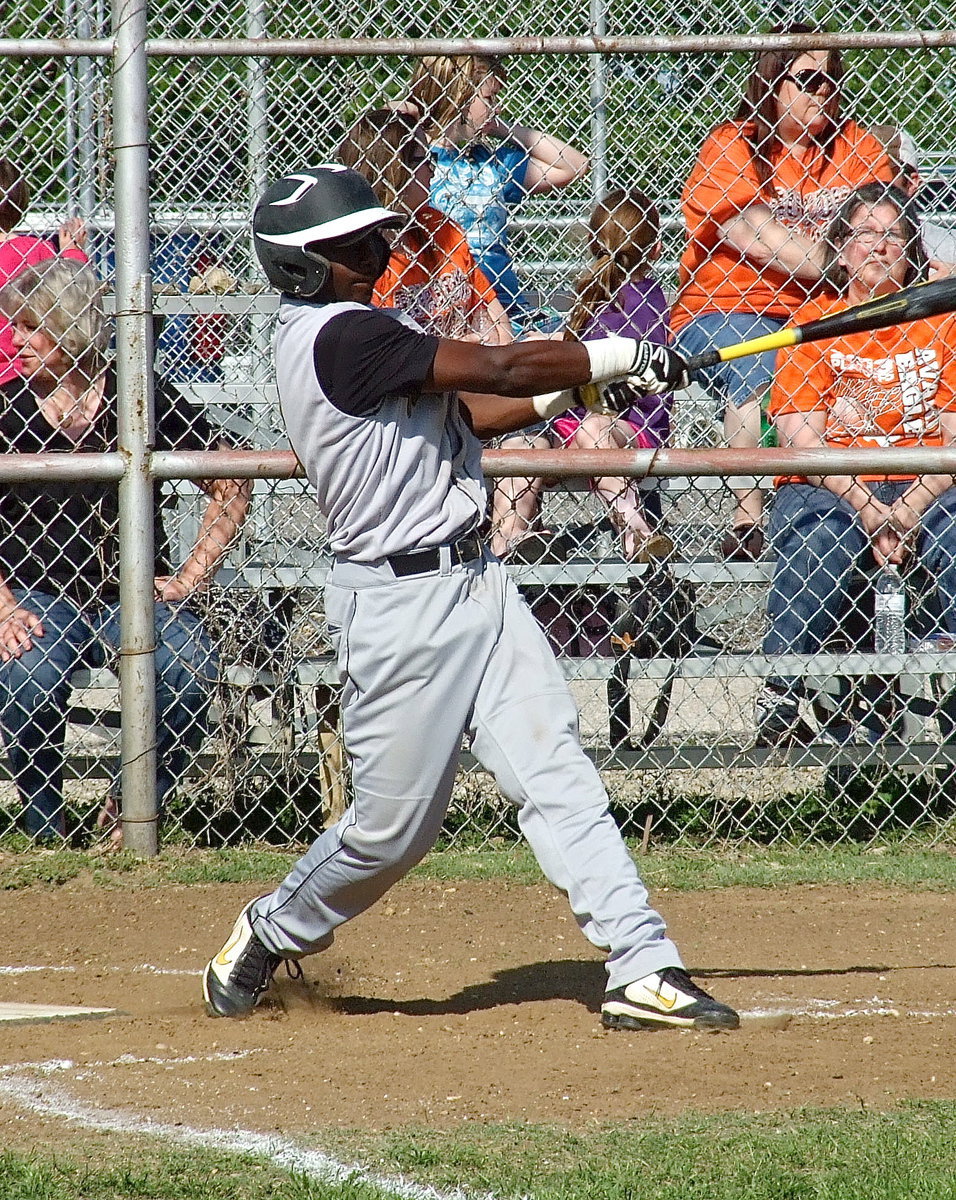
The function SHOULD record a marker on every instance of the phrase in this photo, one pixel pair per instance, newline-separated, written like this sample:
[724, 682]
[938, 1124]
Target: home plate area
[471, 1001]
[20, 1013]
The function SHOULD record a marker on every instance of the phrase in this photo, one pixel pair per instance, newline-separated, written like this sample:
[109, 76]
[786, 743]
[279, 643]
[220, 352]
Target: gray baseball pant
[426, 659]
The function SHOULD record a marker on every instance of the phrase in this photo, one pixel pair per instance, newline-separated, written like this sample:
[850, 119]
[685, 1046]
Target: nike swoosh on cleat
[667, 1004]
[222, 958]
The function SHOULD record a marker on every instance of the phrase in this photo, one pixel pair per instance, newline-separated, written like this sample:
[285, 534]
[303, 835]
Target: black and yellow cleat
[667, 998]
[236, 978]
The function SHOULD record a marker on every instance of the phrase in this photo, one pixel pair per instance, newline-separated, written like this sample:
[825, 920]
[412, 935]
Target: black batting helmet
[297, 213]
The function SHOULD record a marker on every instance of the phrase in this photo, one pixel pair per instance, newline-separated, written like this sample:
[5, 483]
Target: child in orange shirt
[431, 274]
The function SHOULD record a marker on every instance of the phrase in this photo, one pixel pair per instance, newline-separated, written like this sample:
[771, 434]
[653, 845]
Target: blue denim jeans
[730, 384]
[820, 543]
[35, 687]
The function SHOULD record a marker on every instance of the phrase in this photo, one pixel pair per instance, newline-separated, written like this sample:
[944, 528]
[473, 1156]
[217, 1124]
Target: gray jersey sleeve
[363, 357]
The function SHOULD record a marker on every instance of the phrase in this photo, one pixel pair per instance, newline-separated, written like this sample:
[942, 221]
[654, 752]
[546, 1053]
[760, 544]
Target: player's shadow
[812, 972]
[566, 979]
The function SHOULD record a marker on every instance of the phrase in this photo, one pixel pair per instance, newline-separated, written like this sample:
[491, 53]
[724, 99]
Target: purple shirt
[639, 310]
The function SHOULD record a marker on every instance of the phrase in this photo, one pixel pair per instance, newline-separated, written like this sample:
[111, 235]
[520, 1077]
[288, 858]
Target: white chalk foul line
[26, 970]
[30, 1086]
[837, 1010]
[143, 968]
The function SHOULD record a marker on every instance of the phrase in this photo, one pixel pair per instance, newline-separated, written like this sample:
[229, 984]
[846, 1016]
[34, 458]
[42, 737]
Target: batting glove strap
[552, 404]
[648, 367]
[611, 357]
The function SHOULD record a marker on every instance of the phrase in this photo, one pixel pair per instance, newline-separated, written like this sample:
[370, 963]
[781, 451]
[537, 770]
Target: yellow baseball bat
[910, 304]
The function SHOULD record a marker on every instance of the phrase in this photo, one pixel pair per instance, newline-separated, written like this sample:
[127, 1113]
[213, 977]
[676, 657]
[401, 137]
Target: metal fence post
[134, 339]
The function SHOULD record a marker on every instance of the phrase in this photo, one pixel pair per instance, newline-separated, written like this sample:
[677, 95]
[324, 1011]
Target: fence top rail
[417, 47]
[550, 464]
[828, 460]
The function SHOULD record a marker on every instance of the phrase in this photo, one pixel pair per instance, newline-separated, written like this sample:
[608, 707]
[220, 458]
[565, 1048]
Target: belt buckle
[468, 548]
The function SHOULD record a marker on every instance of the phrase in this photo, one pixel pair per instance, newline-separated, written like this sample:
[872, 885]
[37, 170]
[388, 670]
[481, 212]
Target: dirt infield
[470, 1002]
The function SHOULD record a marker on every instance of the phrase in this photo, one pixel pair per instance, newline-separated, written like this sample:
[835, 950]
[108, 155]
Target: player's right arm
[509, 387]
[362, 355]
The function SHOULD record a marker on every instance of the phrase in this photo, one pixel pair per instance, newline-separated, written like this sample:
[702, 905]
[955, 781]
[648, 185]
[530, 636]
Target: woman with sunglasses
[764, 187]
[431, 274]
[888, 388]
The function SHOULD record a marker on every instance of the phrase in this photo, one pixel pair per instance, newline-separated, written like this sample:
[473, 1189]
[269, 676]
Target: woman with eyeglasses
[432, 274]
[891, 387]
[764, 187]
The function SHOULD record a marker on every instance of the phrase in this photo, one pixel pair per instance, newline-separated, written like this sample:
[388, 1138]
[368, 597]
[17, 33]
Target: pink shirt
[16, 253]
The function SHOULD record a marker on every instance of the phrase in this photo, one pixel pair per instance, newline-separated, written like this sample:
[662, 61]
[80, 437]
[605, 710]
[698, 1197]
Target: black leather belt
[420, 562]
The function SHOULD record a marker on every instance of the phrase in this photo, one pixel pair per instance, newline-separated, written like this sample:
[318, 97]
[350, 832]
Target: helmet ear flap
[320, 271]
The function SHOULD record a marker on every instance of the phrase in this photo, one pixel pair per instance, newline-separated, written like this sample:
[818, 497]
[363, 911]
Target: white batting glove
[552, 404]
[648, 367]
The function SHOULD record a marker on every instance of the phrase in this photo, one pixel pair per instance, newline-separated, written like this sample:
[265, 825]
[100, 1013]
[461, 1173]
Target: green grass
[910, 867]
[151, 1173]
[906, 1154]
[906, 866]
[827, 1155]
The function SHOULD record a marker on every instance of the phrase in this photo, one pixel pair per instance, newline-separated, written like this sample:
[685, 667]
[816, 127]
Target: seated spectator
[431, 274]
[59, 556]
[765, 185]
[891, 387]
[617, 295]
[19, 250]
[939, 241]
[484, 165]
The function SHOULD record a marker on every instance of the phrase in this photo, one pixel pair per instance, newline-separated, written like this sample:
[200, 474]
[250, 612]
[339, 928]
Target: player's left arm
[494, 415]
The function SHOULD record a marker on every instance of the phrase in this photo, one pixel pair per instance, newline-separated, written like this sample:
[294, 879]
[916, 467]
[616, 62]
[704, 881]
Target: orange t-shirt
[433, 277]
[882, 388]
[806, 193]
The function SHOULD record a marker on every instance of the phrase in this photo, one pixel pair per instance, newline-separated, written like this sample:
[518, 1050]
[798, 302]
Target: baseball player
[433, 640]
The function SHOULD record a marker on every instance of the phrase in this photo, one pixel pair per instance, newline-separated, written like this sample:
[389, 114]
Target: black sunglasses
[811, 80]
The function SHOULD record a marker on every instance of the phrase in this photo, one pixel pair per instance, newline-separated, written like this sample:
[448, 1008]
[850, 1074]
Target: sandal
[743, 543]
[639, 549]
[108, 822]
[531, 547]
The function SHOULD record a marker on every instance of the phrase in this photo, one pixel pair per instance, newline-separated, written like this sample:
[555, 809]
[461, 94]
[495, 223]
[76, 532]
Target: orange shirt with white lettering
[433, 277]
[804, 193]
[882, 388]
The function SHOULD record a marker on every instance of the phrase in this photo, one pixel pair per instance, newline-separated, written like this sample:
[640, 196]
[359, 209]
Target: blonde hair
[376, 145]
[444, 85]
[623, 229]
[63, 298]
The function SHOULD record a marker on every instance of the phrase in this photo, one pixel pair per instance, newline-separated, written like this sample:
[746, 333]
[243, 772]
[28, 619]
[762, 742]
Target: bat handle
[709, 358]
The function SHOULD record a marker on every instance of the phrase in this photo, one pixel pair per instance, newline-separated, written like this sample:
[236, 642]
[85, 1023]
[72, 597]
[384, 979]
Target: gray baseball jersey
[428, 658]
[392, 471]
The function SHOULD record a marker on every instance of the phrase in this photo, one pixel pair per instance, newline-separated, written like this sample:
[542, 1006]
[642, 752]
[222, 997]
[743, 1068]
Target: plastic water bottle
[889, 611]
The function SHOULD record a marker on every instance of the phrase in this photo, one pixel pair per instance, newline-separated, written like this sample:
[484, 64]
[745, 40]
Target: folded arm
[223, 516]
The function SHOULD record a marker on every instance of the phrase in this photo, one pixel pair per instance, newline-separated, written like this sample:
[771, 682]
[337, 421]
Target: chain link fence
[663, 638]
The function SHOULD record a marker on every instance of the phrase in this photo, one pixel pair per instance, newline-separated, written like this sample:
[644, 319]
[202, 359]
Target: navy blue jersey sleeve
[362, 357]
